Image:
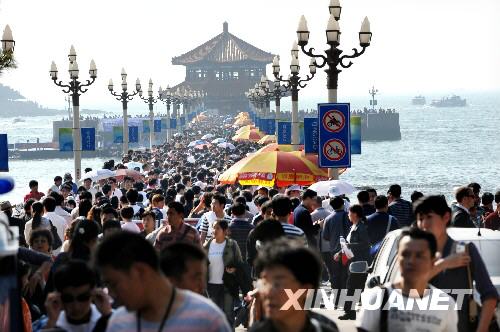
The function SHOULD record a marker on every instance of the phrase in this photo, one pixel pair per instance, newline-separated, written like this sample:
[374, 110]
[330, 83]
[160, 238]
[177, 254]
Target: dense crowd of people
[168, 248]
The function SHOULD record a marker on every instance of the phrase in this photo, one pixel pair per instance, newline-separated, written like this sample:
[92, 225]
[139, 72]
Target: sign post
[334, 135]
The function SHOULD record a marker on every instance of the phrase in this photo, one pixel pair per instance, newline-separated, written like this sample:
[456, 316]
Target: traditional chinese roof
[224, 48]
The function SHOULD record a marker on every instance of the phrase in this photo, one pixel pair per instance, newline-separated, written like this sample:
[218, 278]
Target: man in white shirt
[410, 303]
[49, 205]
[56, 185]
[87, 184]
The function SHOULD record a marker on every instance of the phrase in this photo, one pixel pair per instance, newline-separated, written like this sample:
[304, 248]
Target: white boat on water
[16, 120]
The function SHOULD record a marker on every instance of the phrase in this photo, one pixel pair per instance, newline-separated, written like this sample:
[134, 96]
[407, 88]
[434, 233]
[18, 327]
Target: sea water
[441, 148]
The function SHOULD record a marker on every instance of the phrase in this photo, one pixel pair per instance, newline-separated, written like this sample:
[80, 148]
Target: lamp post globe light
[75, 88]
[7, 55]
[150, 100]
[124, 97]
[294, 83]
[332, 56]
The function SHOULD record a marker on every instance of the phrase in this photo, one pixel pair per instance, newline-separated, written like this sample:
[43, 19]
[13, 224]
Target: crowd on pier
[165, 247]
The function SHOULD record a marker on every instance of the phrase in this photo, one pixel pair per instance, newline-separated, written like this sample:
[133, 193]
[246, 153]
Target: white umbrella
[226, 145]
[218, 140]
[97, 175]
[207, 136]
[197, 142]
[133, 164]
[177, 135]
[332, 187]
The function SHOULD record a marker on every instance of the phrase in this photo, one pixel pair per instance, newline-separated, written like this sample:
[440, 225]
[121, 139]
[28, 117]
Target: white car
[384, 268]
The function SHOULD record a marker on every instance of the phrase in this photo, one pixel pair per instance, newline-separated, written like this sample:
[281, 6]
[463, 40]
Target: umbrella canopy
[267, 139]
[243, 122]
[245, 128]
[121, 173]
[98, 174]
[252, 135]
[273, 168]
[282, 147]
[197, 142]
[218, 140]
[207, 136]
[226, 145]
[335, 187]
[133, 164]
[202, 146]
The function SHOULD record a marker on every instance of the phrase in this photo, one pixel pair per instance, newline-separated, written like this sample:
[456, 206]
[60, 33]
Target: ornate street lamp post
[293, 83]
[278, 92]
[7, 55]
[150, 100]
[75, 88]
[332, 56]
[124, 97]
[166, 97]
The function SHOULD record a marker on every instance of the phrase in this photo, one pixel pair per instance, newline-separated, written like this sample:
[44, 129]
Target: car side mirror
[374, 282]
[358, 267]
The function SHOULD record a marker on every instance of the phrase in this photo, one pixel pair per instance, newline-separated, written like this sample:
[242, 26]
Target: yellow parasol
[275, 168]
[267, 139]
[250, 135]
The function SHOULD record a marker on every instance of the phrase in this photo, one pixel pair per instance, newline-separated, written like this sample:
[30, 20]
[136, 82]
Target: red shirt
[492, 221]
[35, 195]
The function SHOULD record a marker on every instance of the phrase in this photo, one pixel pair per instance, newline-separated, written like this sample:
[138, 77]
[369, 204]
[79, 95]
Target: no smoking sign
[333, 121]
[334, 150]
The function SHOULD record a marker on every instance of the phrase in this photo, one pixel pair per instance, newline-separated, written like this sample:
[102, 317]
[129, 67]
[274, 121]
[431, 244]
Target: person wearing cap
[6, 208]
[68, 179]
[34, 193]
[293, 191]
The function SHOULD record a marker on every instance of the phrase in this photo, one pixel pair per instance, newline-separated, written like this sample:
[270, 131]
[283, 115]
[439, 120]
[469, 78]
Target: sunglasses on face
[68, 298]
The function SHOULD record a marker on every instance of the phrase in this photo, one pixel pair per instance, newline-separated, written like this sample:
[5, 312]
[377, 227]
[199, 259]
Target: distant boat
[16, 120]
[452, 101]
[418, 100]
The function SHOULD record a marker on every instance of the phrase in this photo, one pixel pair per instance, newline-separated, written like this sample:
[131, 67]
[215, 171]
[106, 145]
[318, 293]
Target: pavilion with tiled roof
[225, 67]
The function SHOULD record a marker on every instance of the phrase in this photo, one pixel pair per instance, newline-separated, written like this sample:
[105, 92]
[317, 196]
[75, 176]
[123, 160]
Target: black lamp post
[294, 83]
[124, 97]
[150, 100]
[166, 97]
[75, 88]
[333, 56]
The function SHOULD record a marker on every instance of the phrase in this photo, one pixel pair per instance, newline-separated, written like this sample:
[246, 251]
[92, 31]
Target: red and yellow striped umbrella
[267, 139]
[275, 168]
[300, 152]
[245, 128]
[250, 135]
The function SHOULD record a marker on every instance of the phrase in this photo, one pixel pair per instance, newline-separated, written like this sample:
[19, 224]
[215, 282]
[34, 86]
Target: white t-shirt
[131, 227]
[63, 323]
[431, 313]
[216, 266]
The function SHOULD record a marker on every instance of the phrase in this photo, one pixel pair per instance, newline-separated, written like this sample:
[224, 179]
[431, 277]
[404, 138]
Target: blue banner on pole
[65, 139]
[173, 123]
[257, 122]
[88, 139]
[183, 121]
[334, 135]
[355, 134]
[157, 126]
[133, 134]
[270, 126]
[164, 123]
[4, 153]
[117, 134]
[145, 126]
[312, 135]
[284, 132]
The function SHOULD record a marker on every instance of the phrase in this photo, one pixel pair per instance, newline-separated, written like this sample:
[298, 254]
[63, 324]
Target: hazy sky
[418, 46]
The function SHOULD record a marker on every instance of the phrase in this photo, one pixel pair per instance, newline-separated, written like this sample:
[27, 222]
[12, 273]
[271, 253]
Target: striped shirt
[207, 223]
[186, 233]
[194, 313]
[238, 231]
[403, 212]
[293, 231]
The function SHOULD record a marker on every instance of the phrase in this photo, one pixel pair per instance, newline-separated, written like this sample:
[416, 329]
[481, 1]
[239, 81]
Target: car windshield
[491, 262]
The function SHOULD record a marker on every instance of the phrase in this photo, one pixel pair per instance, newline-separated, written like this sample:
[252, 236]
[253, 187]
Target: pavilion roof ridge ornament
[224, 48]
